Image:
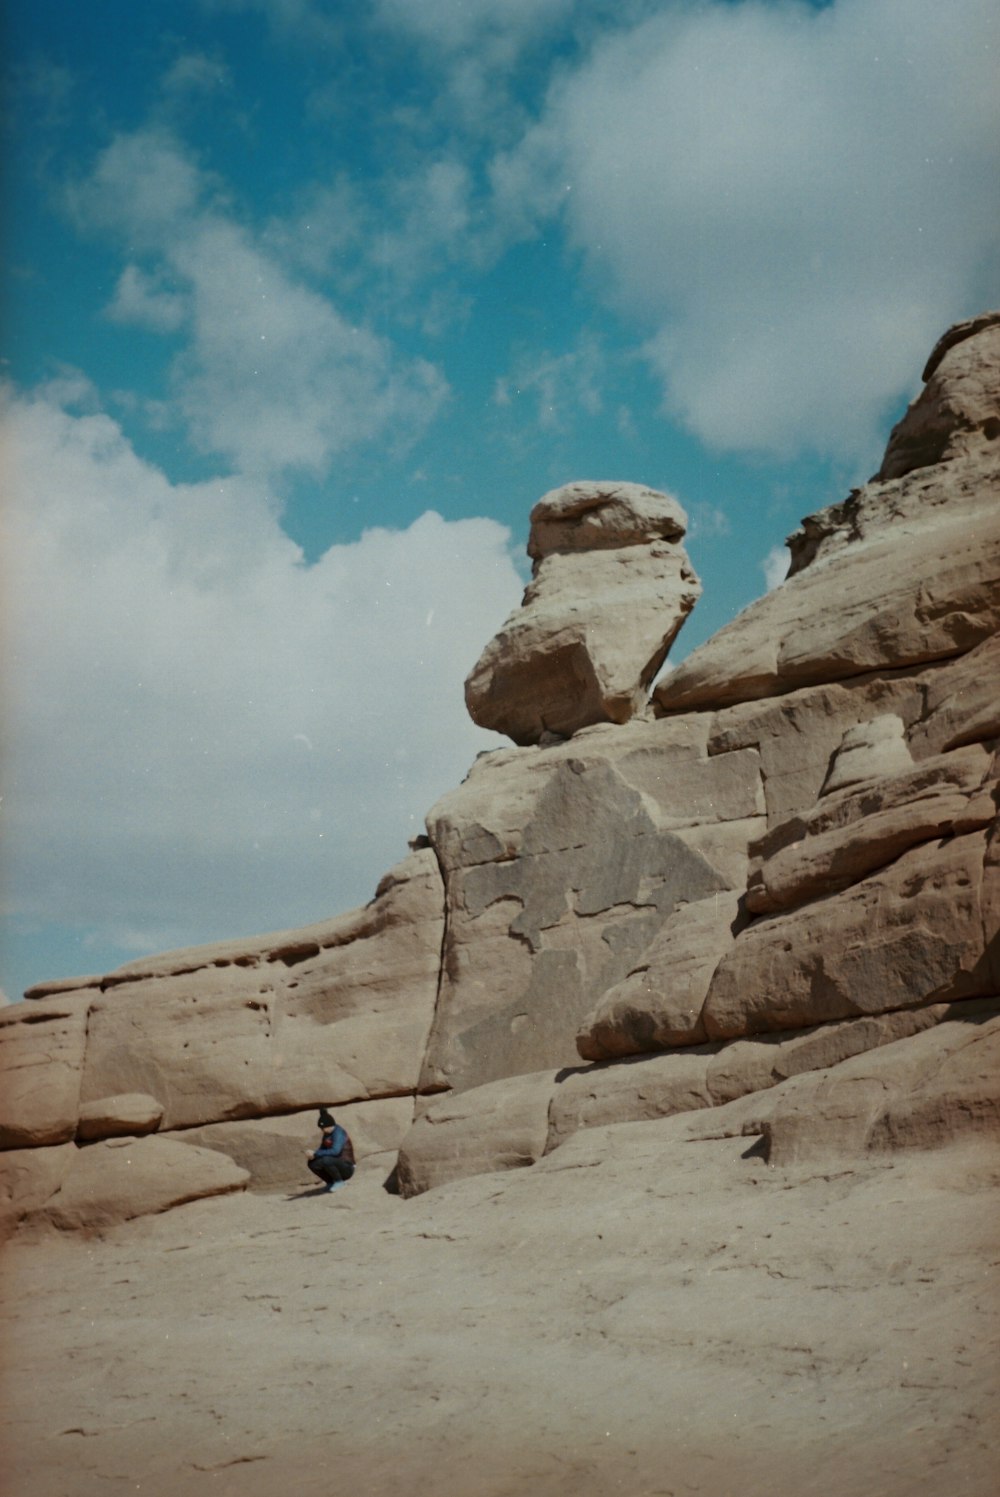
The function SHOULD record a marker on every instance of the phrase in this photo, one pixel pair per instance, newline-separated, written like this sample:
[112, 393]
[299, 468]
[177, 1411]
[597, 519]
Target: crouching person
[333, 1161]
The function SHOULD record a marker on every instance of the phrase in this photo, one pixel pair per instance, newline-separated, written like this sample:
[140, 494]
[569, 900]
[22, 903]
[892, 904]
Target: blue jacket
[333, 1144]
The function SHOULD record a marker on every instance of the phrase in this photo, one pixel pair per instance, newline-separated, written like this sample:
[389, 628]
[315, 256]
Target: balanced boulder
[611, 586]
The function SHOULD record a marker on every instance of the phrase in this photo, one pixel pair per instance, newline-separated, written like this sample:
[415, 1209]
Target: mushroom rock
[611, 586]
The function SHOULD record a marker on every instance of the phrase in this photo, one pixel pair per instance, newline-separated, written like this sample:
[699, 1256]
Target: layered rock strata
[777, 891]
[904, 571]
[180, 1047]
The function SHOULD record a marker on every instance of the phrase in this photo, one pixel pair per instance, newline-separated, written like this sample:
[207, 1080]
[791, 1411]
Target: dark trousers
[329, 1168]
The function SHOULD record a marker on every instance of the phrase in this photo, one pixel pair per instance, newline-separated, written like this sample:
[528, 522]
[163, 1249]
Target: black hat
[325, 1119]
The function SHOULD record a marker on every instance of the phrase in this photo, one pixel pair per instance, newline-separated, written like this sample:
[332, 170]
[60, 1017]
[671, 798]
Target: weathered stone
[797, 734]
[273, 1150]
[990, 902]
[638, 1088]
[128, 1115]
[601, 516]
[29, 1178]
[909, 935]
[692, 790]
[898, 599]
[922, 1093]
[500, 1126]
[956, 1094]
[41, 1059]
[561, 864]
[119, 1179]
[59, 987]
[610, 589]
[849, 835]
[920, 498]
[905, 570]
[963, 702]
[558, 876]
[709, 1076]
[869, 750]
[726, 846]
[959, 406]
[744, 1067]
[332, 1013]
[658, 1005]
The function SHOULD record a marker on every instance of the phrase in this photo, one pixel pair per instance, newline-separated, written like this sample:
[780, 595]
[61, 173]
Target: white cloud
[707, 520]
[559, 385]
[142, 301]
[196, 73]
[275, 376]
[775, 567]
[476, 51]
[144, 188]
[793, 202]
[204, 735]
[455, 25]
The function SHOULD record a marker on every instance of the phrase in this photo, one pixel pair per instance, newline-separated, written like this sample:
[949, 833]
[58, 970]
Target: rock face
[561, 865]
[904, 571]
[956, 412]
[336, 1013]
[777, 892]
[611, 586]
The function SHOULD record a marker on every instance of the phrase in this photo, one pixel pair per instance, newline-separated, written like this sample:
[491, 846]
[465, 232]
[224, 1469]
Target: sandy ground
[639, 1314]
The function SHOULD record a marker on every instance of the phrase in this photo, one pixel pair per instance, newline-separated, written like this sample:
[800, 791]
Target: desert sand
[642, 1312]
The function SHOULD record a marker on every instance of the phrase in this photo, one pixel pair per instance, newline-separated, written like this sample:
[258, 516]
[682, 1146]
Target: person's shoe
[334, 1185]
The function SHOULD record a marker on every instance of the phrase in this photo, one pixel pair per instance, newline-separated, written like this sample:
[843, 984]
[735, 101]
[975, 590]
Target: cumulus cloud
[274, 376]
[792, 201]
[204, 735]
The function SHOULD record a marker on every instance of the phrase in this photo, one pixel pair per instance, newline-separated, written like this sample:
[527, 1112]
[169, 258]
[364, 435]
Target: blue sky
[306, 303]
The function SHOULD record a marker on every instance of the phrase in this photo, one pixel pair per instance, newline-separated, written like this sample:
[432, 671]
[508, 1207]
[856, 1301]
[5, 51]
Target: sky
[306, 302]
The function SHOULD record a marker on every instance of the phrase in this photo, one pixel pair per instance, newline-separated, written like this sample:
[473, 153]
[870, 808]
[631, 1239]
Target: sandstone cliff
[774, 889]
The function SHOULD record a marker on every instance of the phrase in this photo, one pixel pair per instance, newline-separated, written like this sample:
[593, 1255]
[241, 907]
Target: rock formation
[611, 585]
[773, 893]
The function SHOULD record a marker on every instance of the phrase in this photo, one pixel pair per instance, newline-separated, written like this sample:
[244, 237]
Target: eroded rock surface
[561, 866]
[906, 570]
[910, 934]
[957, 409]
[659, 1003]
[41, 1056]
[847, 836]
[188, 1042]
[611, 586]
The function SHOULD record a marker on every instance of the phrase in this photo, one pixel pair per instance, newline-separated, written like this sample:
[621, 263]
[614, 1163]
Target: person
[333, 1161]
